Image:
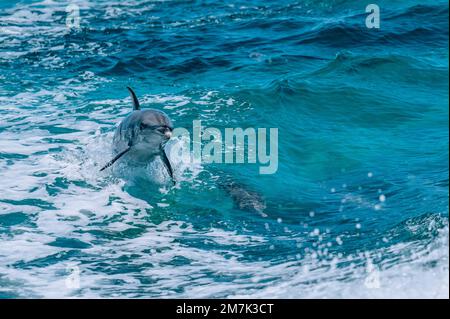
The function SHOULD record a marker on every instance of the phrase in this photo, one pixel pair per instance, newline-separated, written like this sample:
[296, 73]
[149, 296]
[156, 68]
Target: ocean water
[357, 209]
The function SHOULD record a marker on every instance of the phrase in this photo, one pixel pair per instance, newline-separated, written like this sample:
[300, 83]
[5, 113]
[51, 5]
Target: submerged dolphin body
[245, 199]
[142, 135]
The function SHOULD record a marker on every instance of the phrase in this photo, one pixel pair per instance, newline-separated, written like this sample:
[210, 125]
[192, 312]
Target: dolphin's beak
[168, 134]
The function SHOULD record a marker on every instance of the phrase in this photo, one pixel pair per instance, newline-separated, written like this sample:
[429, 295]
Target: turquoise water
[359, 204]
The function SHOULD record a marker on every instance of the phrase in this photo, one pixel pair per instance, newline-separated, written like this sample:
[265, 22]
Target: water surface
[358, 207]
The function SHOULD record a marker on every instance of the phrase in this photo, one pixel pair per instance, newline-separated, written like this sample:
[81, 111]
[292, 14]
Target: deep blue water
[357, 208]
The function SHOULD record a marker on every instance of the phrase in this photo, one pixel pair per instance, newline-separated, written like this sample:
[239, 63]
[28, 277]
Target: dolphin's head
[155, 128]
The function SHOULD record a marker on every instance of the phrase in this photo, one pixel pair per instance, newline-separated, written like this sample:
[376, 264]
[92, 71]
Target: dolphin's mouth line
[153, 138]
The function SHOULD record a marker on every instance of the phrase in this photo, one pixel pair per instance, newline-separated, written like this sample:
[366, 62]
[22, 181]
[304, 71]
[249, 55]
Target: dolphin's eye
[148, 127]
[161, 129]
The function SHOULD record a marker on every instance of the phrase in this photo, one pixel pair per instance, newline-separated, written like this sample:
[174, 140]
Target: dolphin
[244, 198]
[142, 135]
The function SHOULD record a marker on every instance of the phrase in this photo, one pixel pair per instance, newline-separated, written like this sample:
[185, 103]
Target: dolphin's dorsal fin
[135, 100]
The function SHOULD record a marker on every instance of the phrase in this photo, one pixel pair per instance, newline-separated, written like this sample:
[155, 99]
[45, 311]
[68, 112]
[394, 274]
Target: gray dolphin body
[142, 135]
[244, 199]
